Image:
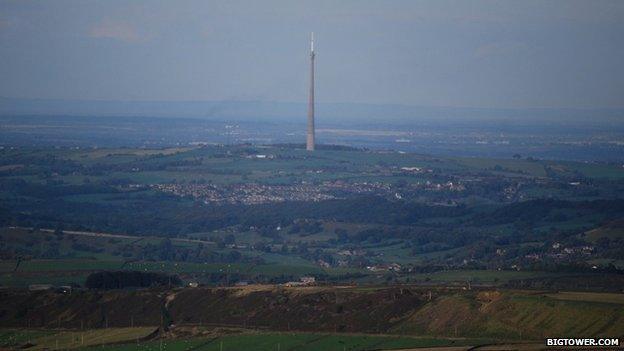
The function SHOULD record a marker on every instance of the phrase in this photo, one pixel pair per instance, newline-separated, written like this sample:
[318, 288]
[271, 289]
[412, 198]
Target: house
[64, 289]
[303, 281]
[395, 267]
[293, 283]
[309, 280]
[40, 287]
[323, 263]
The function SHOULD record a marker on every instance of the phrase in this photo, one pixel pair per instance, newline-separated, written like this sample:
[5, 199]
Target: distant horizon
[484, 107]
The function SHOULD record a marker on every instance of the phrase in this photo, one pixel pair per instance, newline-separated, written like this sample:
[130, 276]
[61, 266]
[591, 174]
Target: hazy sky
[445, 53]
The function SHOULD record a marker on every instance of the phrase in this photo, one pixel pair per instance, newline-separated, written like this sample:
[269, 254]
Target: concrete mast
[310, 139]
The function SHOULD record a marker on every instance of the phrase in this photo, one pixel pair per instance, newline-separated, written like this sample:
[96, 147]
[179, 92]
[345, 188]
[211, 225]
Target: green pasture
[292, 341]
[70, 339]
[612, 232]
[478, 276]
[65, 271]
[589, 170]
[54, 278]
[589, 297]
[566, 314]
[11, 338]
[512, 165]
[59, 265]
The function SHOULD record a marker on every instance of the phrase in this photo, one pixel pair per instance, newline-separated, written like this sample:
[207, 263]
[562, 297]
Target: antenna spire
[312, 42]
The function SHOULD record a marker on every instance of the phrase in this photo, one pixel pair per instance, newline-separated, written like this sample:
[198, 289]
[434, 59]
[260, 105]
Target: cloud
[115, 30]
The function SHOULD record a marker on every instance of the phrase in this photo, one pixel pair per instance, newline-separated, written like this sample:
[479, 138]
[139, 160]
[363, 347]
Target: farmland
[269, 342]
[76, 265]
[270, 214]
[70, 339]
[241, 340]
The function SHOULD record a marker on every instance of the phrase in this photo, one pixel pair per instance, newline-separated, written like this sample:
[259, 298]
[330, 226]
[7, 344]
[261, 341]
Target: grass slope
[292, 341]
[516, 315]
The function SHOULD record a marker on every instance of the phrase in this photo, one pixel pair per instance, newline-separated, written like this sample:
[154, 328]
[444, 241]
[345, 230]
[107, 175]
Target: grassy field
[75, 263]
[612, 231]
[294, 162]
[294, 341]
[68, 339]
[66, 271]
[590, 170]
[56, 278]
[14, 337]
[62, 265]
[114, 338]
[505, 165]
[617, 299]
[74, 270]
[568, 314]
[478, 276]
[518, 315]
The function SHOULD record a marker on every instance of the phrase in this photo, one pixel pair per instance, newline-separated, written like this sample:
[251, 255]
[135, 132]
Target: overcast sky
[435, 53]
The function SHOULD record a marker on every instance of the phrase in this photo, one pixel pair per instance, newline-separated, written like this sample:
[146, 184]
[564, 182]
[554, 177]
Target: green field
[474, 276]
[70, 339]
[611, 231]
[505, 165]
[617, 299]
[61, 272]
[294, 341]
[518, 315]
[97, 339]
[479, 276]
[14, 337]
